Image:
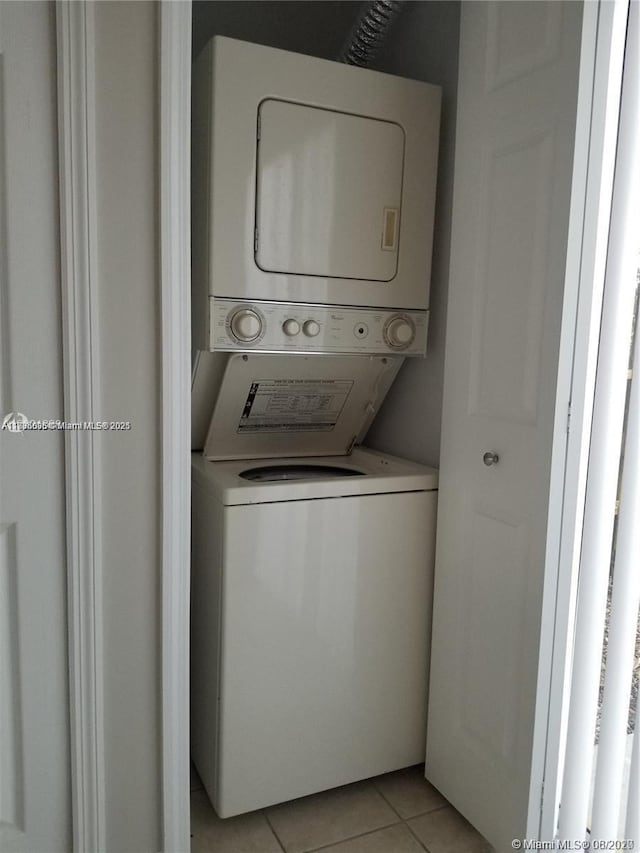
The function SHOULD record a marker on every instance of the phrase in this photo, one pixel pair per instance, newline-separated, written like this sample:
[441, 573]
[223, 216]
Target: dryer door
[328, 192]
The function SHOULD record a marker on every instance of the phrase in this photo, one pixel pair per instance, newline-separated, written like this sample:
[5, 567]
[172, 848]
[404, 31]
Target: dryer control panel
[298, 327]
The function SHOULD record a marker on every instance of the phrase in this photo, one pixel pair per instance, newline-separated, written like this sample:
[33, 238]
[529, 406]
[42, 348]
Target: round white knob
[399, 332]
[311, 328]
[291, 327]
[246, 325]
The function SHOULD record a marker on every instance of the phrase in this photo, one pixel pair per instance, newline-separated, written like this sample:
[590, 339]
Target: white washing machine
[311, 616]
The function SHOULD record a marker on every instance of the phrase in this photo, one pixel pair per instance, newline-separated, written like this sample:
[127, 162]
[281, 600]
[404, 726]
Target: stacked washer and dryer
[312, 557]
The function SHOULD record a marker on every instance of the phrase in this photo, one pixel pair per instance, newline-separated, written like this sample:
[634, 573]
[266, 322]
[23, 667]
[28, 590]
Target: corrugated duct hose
[370, 31]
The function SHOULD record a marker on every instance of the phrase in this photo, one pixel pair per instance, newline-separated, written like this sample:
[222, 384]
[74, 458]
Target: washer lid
[374, 473]
[273, 406]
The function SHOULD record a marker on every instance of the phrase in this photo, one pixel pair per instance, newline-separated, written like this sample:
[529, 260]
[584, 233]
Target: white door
[35, 801]
[515, 135]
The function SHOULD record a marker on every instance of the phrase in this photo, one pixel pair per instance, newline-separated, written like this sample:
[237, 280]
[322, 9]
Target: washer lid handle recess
[275, 473]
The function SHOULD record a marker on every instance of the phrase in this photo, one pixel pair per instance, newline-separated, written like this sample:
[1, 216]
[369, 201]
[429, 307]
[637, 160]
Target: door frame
[75, 44]
[598, 107]
[175, 284]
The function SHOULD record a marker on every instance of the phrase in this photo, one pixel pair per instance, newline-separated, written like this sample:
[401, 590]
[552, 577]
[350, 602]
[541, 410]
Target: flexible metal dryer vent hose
[370, 31]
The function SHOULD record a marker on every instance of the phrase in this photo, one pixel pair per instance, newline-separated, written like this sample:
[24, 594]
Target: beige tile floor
[396, 813]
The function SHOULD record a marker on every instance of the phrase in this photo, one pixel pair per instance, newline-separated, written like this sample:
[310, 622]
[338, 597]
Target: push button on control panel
[311, 328]
[291, 327]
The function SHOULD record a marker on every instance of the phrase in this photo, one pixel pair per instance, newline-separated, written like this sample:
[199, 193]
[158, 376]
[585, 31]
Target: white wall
[127, 203]
[424, 45]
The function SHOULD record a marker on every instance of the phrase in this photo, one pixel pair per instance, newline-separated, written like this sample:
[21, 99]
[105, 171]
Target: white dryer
[311, 609]
[314, 187]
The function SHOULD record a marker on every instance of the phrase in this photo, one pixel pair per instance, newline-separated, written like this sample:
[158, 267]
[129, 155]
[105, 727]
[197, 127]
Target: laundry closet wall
[423, 45]
[314, 27]
[126, 189]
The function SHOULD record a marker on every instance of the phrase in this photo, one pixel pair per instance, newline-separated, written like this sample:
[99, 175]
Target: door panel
[520, 40]
[510, 281]
[515, 132]
[498, 549]
[35, 807]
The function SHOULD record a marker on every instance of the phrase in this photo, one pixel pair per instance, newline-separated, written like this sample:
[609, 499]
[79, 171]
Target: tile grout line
[371, 782]
[414, 835]
[447, 805]
[270, 825]
[391, 806]
[411, 817]
[352, 837]
[406, 820]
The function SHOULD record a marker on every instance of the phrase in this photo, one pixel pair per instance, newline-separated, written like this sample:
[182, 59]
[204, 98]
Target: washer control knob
[291, 327]
[311, 328]
[399, 332]
[246, 325]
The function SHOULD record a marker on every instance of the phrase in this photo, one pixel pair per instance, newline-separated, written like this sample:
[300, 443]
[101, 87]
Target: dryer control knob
[291, 327]
[399, 332]
[246, 325]
[311, 328]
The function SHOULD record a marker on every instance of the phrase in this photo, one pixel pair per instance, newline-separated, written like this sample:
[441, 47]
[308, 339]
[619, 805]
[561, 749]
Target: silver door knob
[490, 458]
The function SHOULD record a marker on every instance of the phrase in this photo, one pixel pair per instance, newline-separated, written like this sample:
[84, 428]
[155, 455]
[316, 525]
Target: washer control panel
[300, 327]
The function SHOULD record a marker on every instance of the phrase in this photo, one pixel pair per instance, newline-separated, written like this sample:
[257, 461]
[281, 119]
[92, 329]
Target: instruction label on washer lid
[294, 405]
